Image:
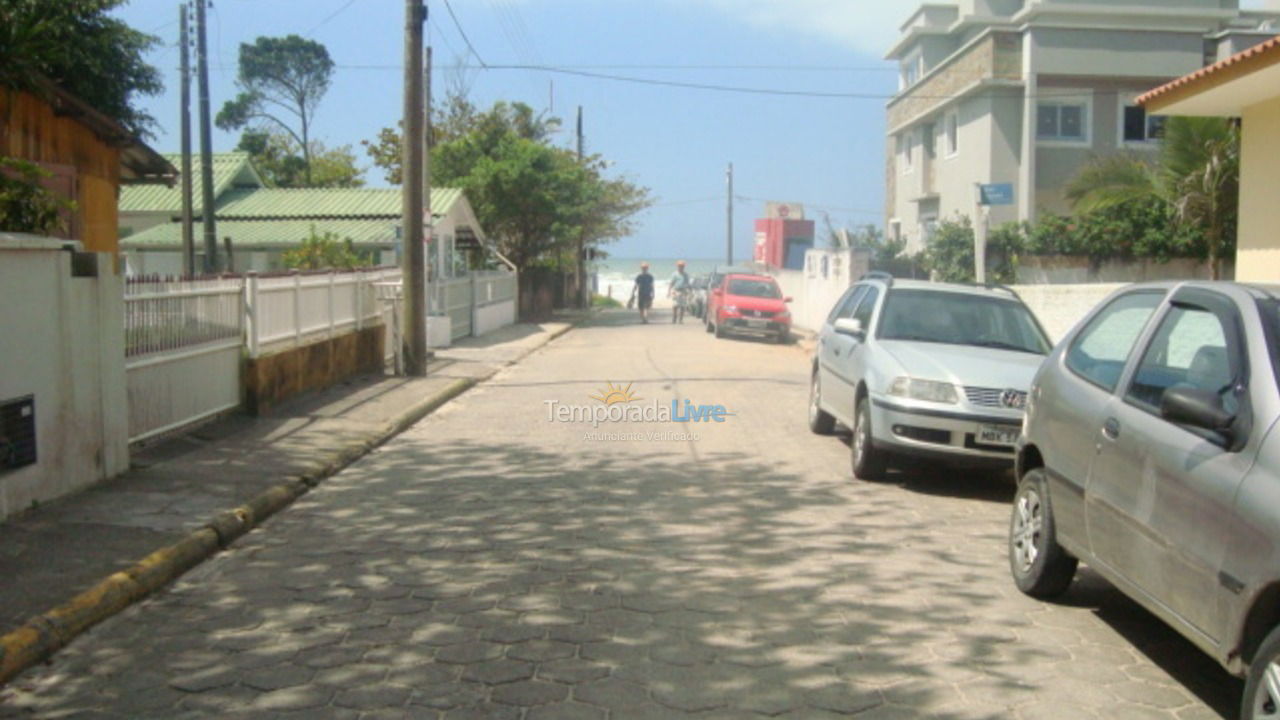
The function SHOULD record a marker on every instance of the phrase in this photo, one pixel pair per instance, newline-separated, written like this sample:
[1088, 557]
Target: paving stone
[683, 655]
[529, 692]
[327, 657]
[844, 698]
[510, 633]
[566, 711]
[448, 696]
[370, 698]
[496, 672]
[278, 676]
[485, 711]
[539, 650]
[572, 671]
[303, 697]
[611, 693]
[206, 679]
[469, 652]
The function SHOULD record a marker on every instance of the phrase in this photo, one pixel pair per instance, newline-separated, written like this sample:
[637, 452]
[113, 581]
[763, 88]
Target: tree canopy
[288, 75]
[1195, 178]
[278, 157]
[533, 199]
[85, 51]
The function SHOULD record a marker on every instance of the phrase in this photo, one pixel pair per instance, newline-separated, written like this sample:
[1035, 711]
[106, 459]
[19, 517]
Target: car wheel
[868, 462]
[1262, 685]
[719, 330]
[707, 321]
[1041, 568]
[783, 337]
[820, 421]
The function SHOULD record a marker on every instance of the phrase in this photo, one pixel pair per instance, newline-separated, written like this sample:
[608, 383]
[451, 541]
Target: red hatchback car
[749, 305]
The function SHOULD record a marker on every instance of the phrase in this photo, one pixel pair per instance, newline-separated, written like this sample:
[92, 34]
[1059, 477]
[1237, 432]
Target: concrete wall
[1118, 53]
[63, 343]
[814, 290]
[1258, 247]
[492, 317]
[1067, 269]
[271, 379]
[1060, 307]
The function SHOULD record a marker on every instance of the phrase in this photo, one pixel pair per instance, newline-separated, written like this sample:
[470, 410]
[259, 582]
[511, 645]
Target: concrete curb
[45, 634]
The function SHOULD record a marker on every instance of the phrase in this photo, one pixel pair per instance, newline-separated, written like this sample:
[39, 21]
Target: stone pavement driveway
[492, 564]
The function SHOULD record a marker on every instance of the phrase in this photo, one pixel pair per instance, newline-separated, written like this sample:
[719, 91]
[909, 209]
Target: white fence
[284, 312]
[184, 341]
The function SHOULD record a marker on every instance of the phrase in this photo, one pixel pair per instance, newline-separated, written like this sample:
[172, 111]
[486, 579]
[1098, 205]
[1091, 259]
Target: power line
[463, 33]
[331, 16]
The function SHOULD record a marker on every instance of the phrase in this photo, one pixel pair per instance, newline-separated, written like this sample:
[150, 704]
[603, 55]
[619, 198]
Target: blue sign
[996, 194]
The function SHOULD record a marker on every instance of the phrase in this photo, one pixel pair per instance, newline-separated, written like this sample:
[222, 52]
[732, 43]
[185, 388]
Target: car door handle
[1111, 428]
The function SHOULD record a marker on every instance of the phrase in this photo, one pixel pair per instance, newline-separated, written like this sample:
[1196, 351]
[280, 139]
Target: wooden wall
[31, 130]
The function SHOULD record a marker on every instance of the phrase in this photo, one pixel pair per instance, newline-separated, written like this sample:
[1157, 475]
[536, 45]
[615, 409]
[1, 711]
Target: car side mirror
[1197, 408]
[717, 291]
[851, 327]
[786, 299]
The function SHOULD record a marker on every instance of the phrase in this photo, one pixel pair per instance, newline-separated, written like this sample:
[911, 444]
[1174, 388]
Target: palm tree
[1196, 174]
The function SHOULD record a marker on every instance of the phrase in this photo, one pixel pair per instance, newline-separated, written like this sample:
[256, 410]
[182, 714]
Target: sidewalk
[73, 562]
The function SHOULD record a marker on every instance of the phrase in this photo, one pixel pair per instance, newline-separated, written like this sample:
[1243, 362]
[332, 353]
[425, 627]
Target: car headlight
[731, 309]
[927, 390]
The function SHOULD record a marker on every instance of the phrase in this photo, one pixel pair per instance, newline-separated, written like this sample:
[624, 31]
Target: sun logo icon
[616, 394]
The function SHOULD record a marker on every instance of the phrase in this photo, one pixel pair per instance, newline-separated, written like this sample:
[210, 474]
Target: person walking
[642, 292]
[678, 289]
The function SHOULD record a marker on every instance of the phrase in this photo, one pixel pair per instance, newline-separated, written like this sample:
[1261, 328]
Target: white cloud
[869, 26]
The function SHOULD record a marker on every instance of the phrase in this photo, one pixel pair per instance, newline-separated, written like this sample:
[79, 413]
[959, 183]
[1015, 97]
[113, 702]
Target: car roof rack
[878, 275]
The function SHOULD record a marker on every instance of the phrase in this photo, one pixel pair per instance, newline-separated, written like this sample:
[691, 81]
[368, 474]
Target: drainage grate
[17, 433]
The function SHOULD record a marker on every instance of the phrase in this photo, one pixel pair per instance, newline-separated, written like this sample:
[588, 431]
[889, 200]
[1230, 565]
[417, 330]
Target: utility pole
[415, 316]
[580, 277]
[206, 147]
[428, 220]
[188, 234]
[729, 219]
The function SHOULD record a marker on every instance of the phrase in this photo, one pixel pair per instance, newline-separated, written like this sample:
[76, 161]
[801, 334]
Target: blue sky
[827, 153]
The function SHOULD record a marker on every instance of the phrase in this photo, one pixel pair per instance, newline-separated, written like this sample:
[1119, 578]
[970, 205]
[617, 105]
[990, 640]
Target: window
[846, 304]
[952, 129]
[1138, 126]
[867, 306]
[1063, 121]
[910, 70]
[1098, 354]
[953, 318]
[1189, 349]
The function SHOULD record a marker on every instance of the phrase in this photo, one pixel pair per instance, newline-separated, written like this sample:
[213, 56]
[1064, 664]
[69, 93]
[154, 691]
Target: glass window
[953, 134]
[867, 306]
[1141, 127]
[746, 287]
[956, 318]
[1099, 352]
[845, 305]
[1062, 121]
[1189, 349]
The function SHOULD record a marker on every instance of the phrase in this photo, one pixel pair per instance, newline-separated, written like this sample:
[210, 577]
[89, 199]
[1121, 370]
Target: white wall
[814, 290]
[64, 344]
[1060, 307]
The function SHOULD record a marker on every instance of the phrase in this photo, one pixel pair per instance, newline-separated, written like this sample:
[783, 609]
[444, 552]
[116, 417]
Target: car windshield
[745, 287]
[958, 318]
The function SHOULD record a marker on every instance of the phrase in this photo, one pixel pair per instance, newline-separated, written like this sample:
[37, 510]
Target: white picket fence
[185, 340]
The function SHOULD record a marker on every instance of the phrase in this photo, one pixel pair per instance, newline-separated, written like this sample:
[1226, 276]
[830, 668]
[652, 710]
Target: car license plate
[757, 323]
[998, 435]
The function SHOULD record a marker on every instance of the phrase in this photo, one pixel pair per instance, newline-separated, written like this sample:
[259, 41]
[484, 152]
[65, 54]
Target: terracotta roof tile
[1265, 48]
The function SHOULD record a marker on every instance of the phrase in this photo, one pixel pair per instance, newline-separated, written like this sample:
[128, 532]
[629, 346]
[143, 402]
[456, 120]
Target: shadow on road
[733, 585]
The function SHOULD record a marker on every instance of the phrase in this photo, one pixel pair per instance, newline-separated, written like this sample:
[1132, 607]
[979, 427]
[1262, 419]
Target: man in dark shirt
[642, 291]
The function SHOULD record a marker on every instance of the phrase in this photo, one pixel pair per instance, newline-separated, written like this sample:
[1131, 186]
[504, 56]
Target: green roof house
[260, 222]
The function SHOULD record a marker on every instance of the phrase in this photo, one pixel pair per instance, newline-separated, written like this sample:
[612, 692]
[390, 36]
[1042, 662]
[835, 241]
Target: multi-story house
[1025, 91]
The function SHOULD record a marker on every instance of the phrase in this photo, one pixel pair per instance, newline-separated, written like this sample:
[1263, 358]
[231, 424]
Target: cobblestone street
[494, 562]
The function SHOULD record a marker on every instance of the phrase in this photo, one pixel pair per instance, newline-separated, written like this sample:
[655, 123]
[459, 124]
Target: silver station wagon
[1150, 452]
[925, 369]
